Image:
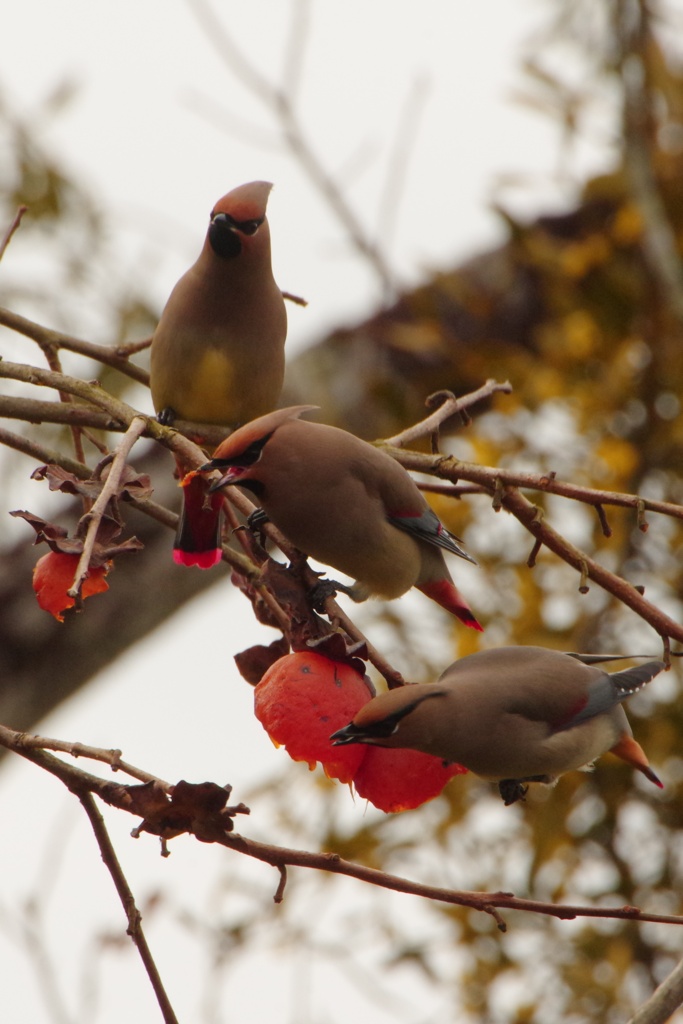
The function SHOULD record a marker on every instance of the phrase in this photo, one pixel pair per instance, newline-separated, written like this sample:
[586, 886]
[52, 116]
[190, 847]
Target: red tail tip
[449, 597]
[629, 750]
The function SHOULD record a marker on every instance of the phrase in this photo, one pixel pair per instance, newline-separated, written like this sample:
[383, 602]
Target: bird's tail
[445, 593]
[630, 750]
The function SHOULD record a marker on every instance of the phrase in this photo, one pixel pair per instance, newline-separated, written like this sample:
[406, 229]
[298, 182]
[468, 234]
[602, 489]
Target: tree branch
[204, 827]
[450, 406]
[663, 1002]
[125, 893]
[108, 492]
[279, 101]
[503, 487]
[7, 237]
[108, 354]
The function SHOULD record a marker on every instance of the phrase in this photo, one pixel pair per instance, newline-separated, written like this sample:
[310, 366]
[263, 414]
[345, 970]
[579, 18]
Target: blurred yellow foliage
[618, 459]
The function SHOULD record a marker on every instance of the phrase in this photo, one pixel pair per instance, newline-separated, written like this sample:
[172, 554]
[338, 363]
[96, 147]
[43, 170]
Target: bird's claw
[512, 790]
[320, 591]
[167, 416]
[256, 521]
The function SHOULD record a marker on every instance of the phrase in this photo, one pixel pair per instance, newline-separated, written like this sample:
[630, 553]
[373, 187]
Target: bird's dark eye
[249, 227]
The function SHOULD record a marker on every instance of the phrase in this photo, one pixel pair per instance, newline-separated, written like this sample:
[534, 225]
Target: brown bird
[511, 714]
[218, 350]
[346, 504]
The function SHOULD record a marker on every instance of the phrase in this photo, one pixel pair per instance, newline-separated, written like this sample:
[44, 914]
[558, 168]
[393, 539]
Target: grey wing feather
[428, 527]
[611, 690]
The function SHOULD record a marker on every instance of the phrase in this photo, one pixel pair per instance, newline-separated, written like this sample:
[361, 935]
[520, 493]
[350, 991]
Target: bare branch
[450, 406]
[7, 237]
[485, 479]
[280, 102]
[296, 300]
[505, 487]
[107, 354]
[128, 902]
[109, 491]
[111, 757]
[663, 1002]
[335, 613]
[120, 796]
[404, 147]
[92, 393]
[633, 22]
[35, 411]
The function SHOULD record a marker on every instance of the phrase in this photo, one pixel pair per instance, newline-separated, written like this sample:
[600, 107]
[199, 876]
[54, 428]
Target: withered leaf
[199, 808]
[57, 539]
[262, 612]
[46, 531]
[252, 663]
[131, 485]
[59, 479]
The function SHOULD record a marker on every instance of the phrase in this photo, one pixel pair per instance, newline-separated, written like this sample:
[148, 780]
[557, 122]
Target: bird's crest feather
[246, 435]
[246, 202]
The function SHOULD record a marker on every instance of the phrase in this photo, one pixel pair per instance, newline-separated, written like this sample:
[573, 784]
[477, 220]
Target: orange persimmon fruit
[54, 573]
[302, 699]
[398, 779]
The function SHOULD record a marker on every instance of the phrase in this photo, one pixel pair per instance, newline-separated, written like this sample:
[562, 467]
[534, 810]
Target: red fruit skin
[400, 779]
[54, 573]
[197, 540]
[302, 699]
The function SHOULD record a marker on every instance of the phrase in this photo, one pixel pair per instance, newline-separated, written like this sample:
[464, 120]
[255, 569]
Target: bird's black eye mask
[246, 458]
[225, 231]
[389, 725]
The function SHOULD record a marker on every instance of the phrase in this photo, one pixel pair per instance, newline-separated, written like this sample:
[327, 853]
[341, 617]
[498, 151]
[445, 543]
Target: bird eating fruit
[513, 715]
[345, 503]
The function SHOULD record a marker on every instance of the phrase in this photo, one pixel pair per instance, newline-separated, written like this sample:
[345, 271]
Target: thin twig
[131, 348]
[7, 237]
[663, 1002]
[296, 300]
[51, 353]
[450, 407]
[403, 150]
[109, 490]
[128, 902]
[485, 479]
[43, 454]
[529, 515]
[89, 392]
[281, 104]
[111, 757]
[634, 36]
[482, 901]
[392, 676]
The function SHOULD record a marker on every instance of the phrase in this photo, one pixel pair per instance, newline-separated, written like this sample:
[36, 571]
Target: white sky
[134, 135]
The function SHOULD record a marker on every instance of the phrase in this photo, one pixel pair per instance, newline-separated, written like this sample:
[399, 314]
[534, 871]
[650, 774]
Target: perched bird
[512, 715]
[346, 504]
[218, 350]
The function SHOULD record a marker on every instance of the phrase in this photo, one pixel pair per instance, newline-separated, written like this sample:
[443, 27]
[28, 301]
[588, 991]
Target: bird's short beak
[349, 734]
[230, 477]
